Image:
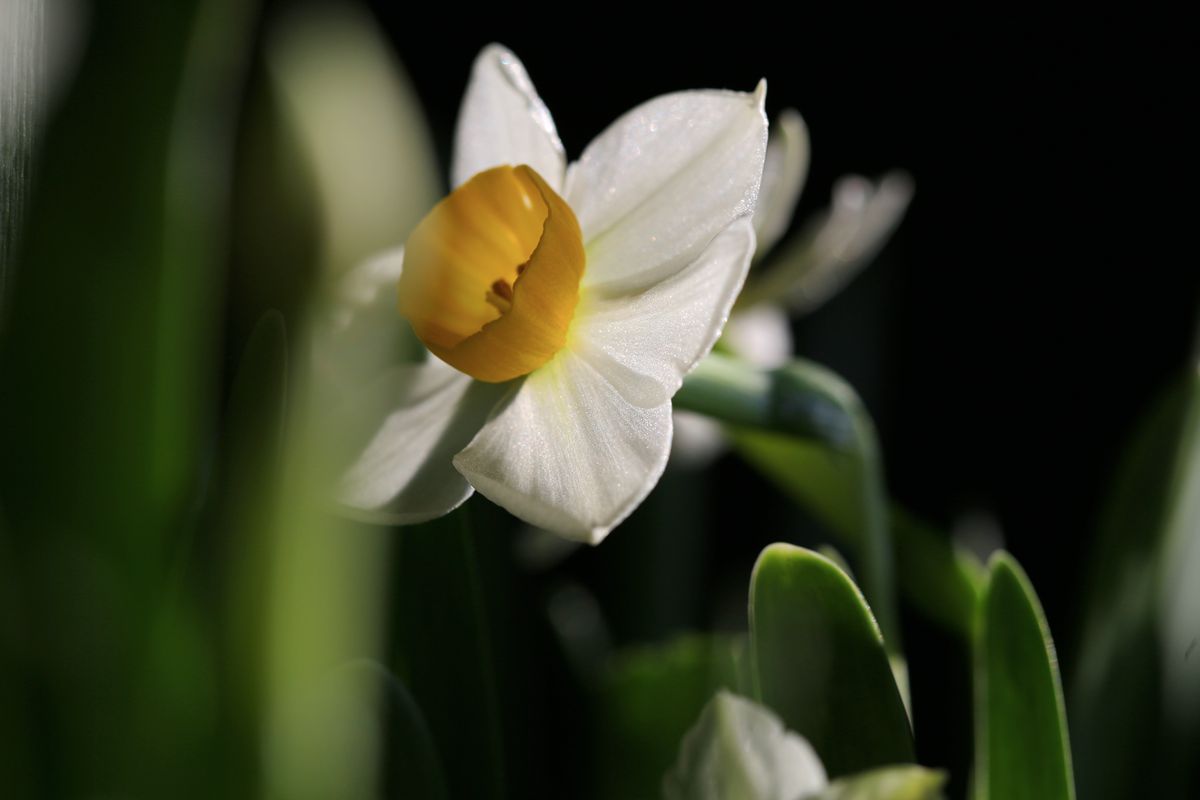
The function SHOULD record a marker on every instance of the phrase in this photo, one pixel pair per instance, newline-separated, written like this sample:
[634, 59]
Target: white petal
[368, 286]
[567, 453]
[644, 344]
[404, 474]
[361, 333]
[654, 189]
[696, 441]
[860, 220]
[784, 171]
[503, 121]
[761, 335]
[739, 748]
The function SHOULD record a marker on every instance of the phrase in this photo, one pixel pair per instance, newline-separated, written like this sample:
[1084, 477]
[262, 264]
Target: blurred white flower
[563, 304]
[804, 271]
[833, 246]
[739, 749]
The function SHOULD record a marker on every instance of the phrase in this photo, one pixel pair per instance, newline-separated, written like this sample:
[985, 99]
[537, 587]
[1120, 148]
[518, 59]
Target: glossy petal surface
[653, 190]
[404, 475]
[503, 121]
[645, 343]
[740, 749]
[567, 452]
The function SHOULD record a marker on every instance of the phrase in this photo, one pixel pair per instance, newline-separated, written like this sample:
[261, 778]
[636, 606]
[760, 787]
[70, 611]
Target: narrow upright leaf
[1021, 741]
[940, 580]
[819, 661]
[806, 429]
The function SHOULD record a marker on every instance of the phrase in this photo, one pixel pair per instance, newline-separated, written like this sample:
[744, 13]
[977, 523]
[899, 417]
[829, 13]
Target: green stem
[805, 401]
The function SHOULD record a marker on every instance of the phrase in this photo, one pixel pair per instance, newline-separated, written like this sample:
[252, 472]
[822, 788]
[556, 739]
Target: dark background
[1041, 288]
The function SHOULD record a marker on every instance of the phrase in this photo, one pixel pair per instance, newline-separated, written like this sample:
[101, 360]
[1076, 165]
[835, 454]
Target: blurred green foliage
[183, 615]
[109, 362]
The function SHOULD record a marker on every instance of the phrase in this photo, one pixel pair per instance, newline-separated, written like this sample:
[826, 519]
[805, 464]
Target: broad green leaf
[327, 581]
[243, 507]
[1021, 727]
[323, 598]
[108, 357]
[137, 176]
[887, 783]
[359, 126]
[646, 702]
[739, 750]
[806, 429]
[109, 366]
[820, 663]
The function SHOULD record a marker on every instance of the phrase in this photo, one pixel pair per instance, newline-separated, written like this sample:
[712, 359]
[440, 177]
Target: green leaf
[806, 429]
[1021, 741]
[940, 580]
[1135, 700]
[244, 500]
[648, 699]
[739, 750]
[1179, 595]
[807, 432]
[819, 661]
[444, 652]
[110, 366]
[888, 783]
[119, 317]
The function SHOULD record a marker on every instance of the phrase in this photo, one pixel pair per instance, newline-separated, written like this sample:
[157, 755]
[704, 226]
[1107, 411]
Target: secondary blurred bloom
[805, 270]
[741, 749]
[563, 304]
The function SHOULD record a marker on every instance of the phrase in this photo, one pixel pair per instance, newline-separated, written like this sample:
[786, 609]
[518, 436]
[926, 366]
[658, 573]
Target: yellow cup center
[491, 275]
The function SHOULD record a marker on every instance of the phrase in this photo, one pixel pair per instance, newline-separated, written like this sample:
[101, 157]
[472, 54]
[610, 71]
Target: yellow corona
[491, 275]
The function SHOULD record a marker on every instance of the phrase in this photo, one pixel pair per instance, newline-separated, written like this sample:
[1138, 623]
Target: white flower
[571, 301]
[811, 267]
[740, 749]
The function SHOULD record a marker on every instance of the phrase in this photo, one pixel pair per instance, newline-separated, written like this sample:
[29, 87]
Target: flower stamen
[501, 295]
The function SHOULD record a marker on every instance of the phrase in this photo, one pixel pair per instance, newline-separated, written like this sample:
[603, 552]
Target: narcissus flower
[562, 305]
